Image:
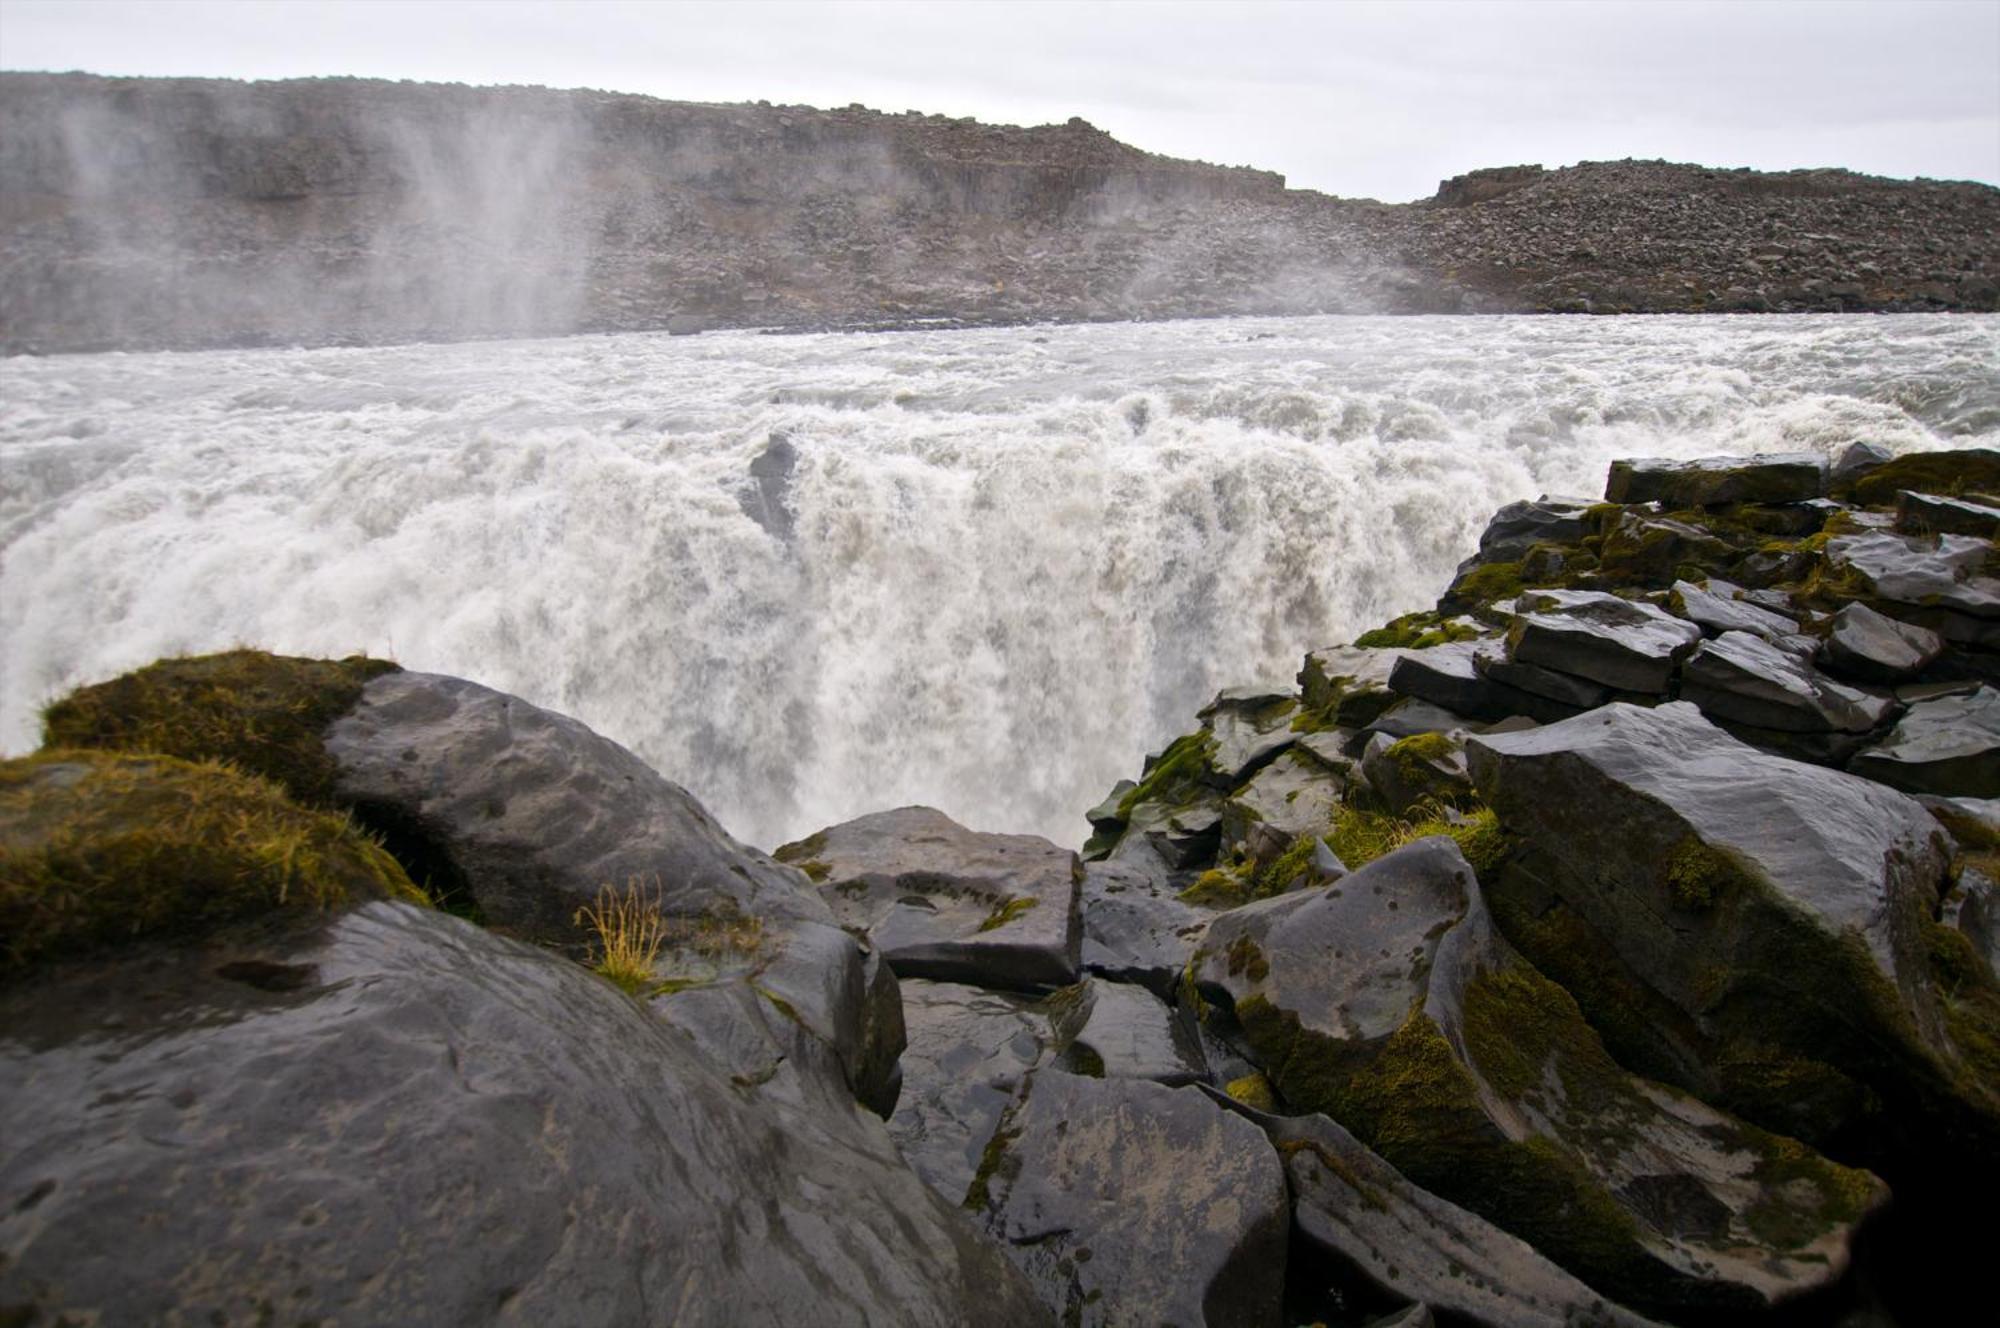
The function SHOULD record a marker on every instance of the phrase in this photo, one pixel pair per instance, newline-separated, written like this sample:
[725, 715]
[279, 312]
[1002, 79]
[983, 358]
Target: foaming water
[1017, 558]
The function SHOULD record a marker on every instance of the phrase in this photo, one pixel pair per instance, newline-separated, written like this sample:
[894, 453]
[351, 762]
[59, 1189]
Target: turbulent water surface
[1016, 559]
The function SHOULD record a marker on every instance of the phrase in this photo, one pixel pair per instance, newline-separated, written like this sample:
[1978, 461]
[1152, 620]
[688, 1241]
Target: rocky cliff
[187, 212]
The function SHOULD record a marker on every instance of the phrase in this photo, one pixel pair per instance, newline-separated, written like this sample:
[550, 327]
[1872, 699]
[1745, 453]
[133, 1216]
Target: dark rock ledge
[1613, 944]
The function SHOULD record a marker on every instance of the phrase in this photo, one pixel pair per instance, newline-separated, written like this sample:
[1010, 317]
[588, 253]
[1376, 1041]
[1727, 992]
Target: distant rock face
[396, 1117]
[350, 210]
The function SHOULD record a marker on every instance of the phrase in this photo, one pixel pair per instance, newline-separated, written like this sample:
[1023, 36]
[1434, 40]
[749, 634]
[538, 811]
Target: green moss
[1252, 1090]
[1485, 583]
[1804, 1195]
[260, 712]
[779, 1003]
[805, 855]
[1699, 876]
[1334, 1164]
[1246, 960]
[1359, 836]
[1219, 887]
[1948, 474]
[1416, 631]
[1079, 1059]
[98, 849]
[993, 1162]
[1181, 767]
[1007, 910]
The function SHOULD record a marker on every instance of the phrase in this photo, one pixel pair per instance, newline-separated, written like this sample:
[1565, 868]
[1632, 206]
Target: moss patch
[260, 712]
[1007, 910]
[1360, 836]
[805, 855]
[1416, 631]
[1180, 768]
[1699, 876]
[1944, 473]
[1252, 1090]
[99, 849]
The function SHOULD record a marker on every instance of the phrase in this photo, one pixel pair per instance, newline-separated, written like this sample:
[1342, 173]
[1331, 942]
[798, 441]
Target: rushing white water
[1019, 557]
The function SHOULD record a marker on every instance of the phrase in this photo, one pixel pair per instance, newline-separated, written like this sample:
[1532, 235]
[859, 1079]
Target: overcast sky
[1367, 100]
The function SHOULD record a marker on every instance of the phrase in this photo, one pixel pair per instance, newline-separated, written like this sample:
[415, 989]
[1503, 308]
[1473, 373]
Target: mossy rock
[260, 712]
[100, 849]
[1416, 631]
[1975, 470]
[1183, 769]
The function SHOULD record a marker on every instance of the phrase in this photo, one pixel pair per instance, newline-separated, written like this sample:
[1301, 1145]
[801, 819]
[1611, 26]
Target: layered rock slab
[1130, 1203]
[1752, 928]
[395, 1117]
[1949, 746]
[943, 902]
[1772, 477]
[1391, 1003]
[1406, 1243]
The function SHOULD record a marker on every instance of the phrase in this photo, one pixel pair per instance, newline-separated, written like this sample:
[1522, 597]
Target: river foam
[1017, 558]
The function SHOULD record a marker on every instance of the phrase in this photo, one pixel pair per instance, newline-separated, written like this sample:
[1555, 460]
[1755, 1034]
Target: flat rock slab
[1873, 647]
[1771, 477]
[1115, 1030]
[1976, 469]
[1136, 928]
[1715, 608]
[1350, 683]
[943, 902]
[1700, 865]
[1746, 679]
[1294, 795]
[1948, 747]
[1518, 527]
[1447, 676]
[1619, 643]
[1944, 572]
[536, 814]
[1406, 1243]
[396, 1117]
[1933, 514]
[969, 1057]
[1250, 726]
[1129, 1203]
[1391, 1003]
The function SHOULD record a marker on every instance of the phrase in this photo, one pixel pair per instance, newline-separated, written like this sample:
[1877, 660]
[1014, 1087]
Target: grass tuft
[630, 933]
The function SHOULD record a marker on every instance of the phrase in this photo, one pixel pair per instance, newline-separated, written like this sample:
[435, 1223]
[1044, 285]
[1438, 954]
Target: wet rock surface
[422, 1122]
[1128, 1202]
[1947, 746]
[943, 902]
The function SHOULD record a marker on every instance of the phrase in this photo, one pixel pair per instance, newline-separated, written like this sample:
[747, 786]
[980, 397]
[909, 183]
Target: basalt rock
[1136, 928]
[1789, 477]
[1130, 1203]
[1949, 746]
[1390, 1002]
[1931, 514]
[1717, 607]
[1873, 647]
[1745, 679]
[1752, 928]
[943, 902]
[1113, 1030]
[1619, 643]
[396, 1117]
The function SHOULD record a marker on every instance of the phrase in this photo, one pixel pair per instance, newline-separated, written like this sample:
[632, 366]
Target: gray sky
[1363, 99]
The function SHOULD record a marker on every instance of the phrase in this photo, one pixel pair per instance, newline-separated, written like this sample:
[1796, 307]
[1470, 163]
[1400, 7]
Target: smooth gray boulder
[1873, 647]
[1136, 928]
[1115, 1030]
[1949, 746]
[1518, 527]
[1130, 1203]
[1406, 1243]
[1294, 795]
[1623, 644]
[536, 814]
[1250, 725]
[1767, 477]
[397, 1117]
[1391, 1003]
[1746, 679]
[1716, 608]
[1747, 926]
[1447, 676]
[944, 902]
[970, 1054]
[1936, 514]
[1938, 582]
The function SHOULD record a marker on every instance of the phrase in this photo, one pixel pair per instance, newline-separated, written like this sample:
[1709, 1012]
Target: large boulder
[1972, 468]
[1136, 927]
[969, 1057]
[1519, 527]
[392, 1116]
[944, 902]
[1130, 1203]
[532, 814]
[1403, 1243]
[1717, 606]
[1873, 647]
[1747, 680]
[1776, 477]
[1937, 514]
[1752, 928]
[1292, 796]
[1619, 643]
[1949, 746]
[1939, 582]
[1390, 1002]
[1114, 1030]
